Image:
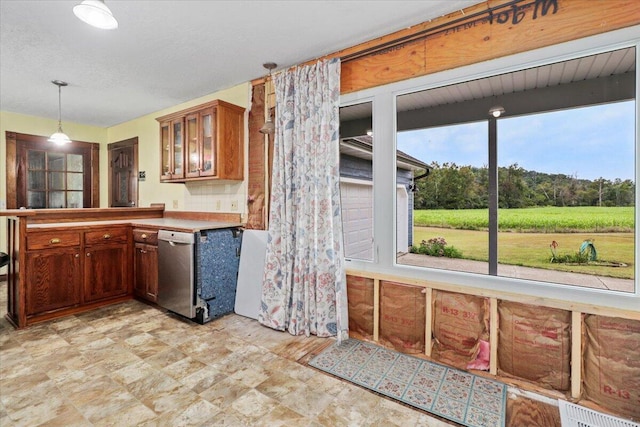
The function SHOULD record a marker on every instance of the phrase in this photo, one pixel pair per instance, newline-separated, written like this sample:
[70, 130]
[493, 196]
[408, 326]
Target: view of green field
[547, 219]
[526, 234]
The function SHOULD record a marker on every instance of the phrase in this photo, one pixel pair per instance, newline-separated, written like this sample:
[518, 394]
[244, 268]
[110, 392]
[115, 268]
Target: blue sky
[589, 143]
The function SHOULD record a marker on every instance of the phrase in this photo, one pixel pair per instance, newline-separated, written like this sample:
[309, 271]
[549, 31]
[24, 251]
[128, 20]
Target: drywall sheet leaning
[251, 270]
[402, 317]
[534, 343]
[612, 364]
[360, 297]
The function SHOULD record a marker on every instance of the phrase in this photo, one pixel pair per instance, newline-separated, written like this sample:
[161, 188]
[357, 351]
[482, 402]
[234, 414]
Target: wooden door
[123, 173]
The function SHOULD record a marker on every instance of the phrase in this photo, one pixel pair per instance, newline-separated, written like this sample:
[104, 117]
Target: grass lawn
[532, 249]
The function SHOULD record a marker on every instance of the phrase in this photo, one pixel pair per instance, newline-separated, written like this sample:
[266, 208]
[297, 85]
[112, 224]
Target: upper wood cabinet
[203, 142]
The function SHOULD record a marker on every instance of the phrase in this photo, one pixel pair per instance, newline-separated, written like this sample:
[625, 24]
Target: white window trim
[384, 175]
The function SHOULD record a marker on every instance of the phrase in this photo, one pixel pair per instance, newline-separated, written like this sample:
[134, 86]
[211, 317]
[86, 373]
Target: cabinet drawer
[149, 237]
[52, 239]
[107, 235]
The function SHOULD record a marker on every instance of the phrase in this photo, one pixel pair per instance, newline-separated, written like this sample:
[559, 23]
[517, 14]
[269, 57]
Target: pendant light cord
[60, 108]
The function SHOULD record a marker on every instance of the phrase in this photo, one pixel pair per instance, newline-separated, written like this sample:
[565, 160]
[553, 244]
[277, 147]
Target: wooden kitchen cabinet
[203, 142]
[68, 269]
[145, 264]
[54, 279]
[172, 149]
[107, 261]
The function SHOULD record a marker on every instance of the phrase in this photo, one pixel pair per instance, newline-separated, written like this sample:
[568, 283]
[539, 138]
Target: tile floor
[134, 365]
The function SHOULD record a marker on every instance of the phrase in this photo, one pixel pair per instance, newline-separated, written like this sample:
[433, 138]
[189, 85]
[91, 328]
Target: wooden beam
[376, 309]
[576, 354]
[493, 336]
[428, 322]
[479, 33]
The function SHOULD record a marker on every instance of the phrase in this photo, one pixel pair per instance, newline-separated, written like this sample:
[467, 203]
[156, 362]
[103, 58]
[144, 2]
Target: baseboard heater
[572, 415]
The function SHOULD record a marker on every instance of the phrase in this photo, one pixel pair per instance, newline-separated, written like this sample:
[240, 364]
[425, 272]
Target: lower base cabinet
[145, 267]
[106, 272]
[145, 264]
[54, 280]
[70, 269]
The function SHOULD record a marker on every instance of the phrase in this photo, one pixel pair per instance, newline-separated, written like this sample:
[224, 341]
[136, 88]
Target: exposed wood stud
[493, 336]
[576, 354]
[428, 322]
[376, 309]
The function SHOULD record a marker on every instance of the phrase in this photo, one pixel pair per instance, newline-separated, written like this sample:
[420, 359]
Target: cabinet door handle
[54, 241]
[77, 255]
[88, 253]
[142, 251]
[144, 235]
[107, 236]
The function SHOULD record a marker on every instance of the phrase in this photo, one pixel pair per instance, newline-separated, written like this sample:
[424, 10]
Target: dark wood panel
[52, 239]
[107, 235]
[106, 272]
[149, 237]
[54, 280]
[146, 271]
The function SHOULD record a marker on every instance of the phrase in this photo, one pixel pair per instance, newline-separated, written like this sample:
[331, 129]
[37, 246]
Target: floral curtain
[304, 287]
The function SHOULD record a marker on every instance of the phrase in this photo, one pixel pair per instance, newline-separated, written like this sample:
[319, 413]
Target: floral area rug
[456, 395]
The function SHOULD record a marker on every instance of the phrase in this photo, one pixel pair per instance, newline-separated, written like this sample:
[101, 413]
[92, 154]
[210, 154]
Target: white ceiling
[166, 52]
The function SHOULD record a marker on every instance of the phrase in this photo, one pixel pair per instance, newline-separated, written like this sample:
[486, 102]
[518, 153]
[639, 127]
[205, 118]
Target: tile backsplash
[215, 196]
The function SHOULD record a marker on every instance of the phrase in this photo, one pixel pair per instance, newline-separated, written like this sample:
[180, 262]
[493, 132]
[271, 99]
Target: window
[546, 191]
[455, 106]
[54, 180]
[43, 175]
[356, 180]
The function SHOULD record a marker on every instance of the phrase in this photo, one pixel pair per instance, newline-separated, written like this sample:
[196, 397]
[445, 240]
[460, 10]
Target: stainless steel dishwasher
[176, 284]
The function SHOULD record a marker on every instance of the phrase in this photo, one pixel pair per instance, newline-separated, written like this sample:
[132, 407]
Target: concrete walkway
[539, 274]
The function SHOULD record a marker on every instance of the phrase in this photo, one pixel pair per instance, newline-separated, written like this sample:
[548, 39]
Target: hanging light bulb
[96, 14]
[59, 137]
[269, 127]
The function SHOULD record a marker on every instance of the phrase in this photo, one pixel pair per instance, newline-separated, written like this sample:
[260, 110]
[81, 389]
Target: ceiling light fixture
[96, 14]
[496, 111]
[269, 127]
[59, 137]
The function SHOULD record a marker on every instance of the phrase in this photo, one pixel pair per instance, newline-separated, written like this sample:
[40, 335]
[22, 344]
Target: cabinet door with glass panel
[172, 150]
[210, 143]
[201, 143]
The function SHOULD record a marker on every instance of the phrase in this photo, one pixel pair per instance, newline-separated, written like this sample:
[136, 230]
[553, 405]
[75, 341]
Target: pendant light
[96, 14]
[59, 137]
[269, 127]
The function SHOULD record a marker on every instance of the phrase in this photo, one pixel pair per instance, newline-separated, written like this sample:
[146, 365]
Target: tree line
[450, 186]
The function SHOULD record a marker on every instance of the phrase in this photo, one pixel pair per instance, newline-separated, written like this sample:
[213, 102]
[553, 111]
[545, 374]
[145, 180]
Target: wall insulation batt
[611, 375]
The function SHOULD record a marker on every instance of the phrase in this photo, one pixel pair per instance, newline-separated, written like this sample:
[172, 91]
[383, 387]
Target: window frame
[384, 177]
[19, 144]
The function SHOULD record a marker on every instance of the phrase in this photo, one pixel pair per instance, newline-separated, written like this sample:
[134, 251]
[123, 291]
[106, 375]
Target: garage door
[357, 218]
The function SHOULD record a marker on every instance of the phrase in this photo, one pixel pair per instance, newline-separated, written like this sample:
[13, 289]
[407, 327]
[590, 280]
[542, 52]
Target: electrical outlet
[234, 205]
[218, 205]
[175, 204]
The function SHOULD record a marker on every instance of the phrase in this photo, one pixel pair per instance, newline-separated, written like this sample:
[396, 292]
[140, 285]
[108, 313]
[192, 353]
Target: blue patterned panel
[217, 261]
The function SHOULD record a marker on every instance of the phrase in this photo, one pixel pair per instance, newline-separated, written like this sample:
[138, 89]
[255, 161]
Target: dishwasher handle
[176, 237]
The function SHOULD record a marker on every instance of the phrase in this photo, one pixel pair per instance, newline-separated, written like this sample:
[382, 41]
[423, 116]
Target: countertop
[177, 224]
[174, 224]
